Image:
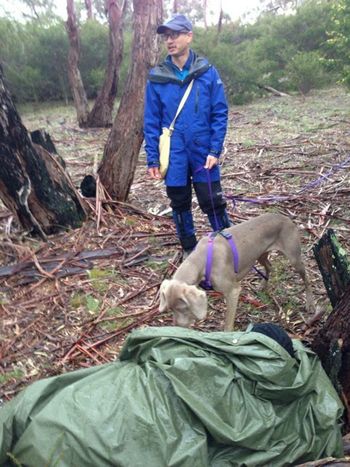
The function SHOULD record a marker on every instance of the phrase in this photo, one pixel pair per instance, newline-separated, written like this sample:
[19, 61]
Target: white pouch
[164, 151]
[164, 138]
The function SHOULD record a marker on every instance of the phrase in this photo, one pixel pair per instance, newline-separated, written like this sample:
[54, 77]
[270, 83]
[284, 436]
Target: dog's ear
[163, 303]
[197, 300]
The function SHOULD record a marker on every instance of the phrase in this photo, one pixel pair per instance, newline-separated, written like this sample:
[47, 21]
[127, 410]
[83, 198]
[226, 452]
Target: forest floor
[70, 302]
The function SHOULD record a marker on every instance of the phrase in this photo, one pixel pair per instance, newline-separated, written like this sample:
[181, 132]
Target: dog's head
[187, 303]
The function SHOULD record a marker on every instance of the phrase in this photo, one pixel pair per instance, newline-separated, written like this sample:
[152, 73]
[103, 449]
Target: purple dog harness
[206, 283]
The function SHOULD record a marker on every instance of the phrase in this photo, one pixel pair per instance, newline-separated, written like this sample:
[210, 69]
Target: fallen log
[274, 91]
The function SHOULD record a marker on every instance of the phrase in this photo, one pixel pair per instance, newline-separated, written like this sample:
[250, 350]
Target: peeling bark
[124, 142]
[33, 185]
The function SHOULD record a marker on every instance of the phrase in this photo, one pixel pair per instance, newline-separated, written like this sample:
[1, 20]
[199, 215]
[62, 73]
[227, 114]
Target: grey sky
[235, 8]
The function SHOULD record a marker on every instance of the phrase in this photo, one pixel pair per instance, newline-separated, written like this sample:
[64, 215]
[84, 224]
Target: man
[199, 132]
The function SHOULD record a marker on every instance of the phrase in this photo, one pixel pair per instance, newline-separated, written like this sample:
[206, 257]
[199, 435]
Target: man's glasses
[172, 35]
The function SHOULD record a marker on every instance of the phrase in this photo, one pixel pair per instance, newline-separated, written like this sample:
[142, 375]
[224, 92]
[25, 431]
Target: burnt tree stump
[333, 265]
[332, 342]
[33, 185]
[43, 139]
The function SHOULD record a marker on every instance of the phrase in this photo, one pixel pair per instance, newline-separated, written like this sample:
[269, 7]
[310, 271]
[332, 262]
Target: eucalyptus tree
[101, 113]
[75, 80]
[195, 10]
[124, 142]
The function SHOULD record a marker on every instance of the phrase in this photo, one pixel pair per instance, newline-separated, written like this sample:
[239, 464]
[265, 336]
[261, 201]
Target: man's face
[177, 43]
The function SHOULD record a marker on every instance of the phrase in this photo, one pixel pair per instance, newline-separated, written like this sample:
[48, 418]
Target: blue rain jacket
[199, 129]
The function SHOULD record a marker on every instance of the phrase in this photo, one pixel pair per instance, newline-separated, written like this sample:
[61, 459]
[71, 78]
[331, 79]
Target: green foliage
[92, 304]
[339, 40]
[11, 375]
[273, 51]
[290, 52]
[35, 59]
[305, 71]
[93, 56]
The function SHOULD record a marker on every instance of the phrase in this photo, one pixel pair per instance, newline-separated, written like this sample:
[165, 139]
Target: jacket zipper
[197, 99]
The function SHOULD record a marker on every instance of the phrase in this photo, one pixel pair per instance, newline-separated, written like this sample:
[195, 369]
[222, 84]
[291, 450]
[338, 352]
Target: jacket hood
[164, 72]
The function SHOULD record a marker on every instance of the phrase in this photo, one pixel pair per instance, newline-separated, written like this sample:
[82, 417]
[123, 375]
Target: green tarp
[179, 397]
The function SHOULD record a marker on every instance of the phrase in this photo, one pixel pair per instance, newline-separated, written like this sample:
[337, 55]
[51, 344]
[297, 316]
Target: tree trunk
[332, 342]
[221, 15]
[101, 114]
[75, 81]
[123, 145]
[332, 345]
[333, 265]
[205, 8]
[88, 5]
[33, 185]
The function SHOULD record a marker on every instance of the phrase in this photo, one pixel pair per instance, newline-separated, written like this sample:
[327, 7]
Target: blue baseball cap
[176, 23]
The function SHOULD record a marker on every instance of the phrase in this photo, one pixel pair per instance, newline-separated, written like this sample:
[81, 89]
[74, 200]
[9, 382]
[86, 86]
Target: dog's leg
[293, 253]
[310, 301]
[291, 248]
[264, 261]
[231, 303]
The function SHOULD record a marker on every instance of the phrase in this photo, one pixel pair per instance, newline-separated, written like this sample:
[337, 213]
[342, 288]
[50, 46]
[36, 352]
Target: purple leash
[276, 198]
[217, 227]
[206, 284]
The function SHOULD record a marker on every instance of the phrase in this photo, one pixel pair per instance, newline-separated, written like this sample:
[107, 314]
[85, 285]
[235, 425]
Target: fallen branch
[274, 91]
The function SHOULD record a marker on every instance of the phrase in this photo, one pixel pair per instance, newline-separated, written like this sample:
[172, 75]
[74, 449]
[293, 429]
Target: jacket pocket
[202, 140]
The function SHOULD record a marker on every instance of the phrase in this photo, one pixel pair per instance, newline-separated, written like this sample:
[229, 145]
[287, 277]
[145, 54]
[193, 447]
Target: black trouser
[181, 197]
[211, 202]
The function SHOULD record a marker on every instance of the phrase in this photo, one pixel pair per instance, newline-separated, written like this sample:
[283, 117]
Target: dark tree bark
[101, 114]
[43, 139]
[88, 5]
[124, 142]
[75, 81]
[33, 185]
[332, 345]
[333, 265]
[332, 342]
[221, 15]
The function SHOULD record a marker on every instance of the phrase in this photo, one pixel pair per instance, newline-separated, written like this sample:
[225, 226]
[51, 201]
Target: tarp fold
[179, 398]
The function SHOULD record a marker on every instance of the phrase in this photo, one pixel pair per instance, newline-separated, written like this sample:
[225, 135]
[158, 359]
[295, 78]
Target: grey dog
[254, 239]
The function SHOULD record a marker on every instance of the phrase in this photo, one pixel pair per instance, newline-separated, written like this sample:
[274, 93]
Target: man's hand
[211, 162]
[154, 173]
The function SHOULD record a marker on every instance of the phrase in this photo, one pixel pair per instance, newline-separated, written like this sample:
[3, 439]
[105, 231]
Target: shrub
[305, 71]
